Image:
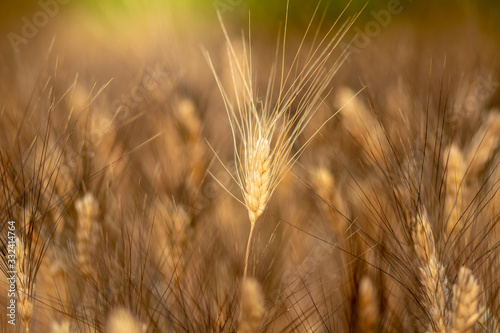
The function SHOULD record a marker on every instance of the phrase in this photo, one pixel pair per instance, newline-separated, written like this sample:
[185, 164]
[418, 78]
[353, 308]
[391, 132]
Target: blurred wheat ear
[432, 273]
[252, 306]
[122, 321]
[465, 302]
[25, 287]
[266, 128]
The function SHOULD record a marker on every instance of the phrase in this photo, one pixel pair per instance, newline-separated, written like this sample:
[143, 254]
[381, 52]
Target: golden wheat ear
[258, 179]
[62, 327]
[432, 273]
[266, 128]
[122, 321]
[465, 303]
[25, 287]
[252, 306]
[87, 209]
[456, 189]
[368, 310]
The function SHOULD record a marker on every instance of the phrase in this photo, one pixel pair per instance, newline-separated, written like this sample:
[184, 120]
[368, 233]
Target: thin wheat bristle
[252, 306]
[368, 312]
[465, 303]
[25, 287]
[87, 209]
[432, 273]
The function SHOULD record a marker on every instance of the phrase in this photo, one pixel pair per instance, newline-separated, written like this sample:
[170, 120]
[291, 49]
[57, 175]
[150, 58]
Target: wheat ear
[62, 327]
[87, 209]
[265, 129]
[483, 145]
[328, 191]
[465, 303]
[455, 189]
[24, 287]
[367, 308]
[432, 273]
[252, 306]
[122, 321]
[362, 124]
[257, 186]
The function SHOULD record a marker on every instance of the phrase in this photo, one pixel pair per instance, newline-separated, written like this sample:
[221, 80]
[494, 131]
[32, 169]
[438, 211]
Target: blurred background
[132, 33]
[425, 14]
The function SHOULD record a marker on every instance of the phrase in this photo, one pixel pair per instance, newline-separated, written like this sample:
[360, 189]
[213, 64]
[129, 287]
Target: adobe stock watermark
[151, 80]
[11, 272]
[363, 37]
[481, 91]
[31, 27]
[472, 96]
[294, 275]
[309, 265]
[123, 106]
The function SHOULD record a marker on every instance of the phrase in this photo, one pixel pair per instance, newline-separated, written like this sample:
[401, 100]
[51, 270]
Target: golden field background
[115, 149]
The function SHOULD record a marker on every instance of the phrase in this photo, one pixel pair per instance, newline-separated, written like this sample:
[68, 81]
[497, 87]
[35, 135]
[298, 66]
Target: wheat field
[230, 166]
